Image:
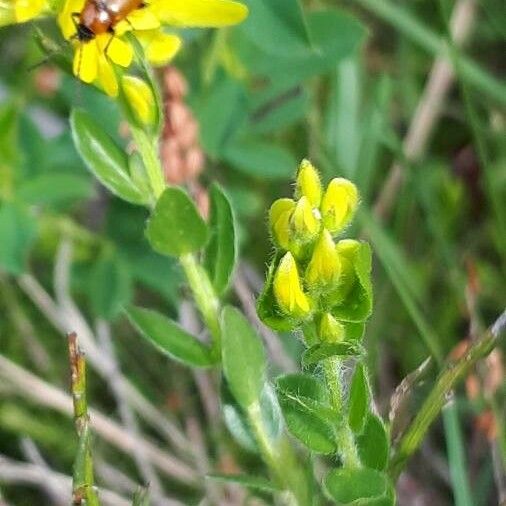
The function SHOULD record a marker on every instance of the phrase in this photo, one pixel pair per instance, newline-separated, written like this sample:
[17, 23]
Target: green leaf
[278, 27]
[373, 444]
[110, 286]
[261, 159]
[237, 421]
[55, 188]
[103, 157]
[304, 404]
[359, 399]
[359, 487]
[321, 351]
[170, 338]
[247, 481]
[175, 227]
[243, 355]
[18, 230]
[221, 250]
[357, 305]
[302, 385]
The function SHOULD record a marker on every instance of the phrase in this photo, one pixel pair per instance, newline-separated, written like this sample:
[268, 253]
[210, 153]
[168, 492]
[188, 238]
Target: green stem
[148, 150]
[205, 298]
[283, 464]
[346, 444]
[437, 398]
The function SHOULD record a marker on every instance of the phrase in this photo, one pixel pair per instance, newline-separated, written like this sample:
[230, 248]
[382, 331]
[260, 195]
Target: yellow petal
[143, 19]
[324, 267]
[65, 20]
[162, 48]
[339, 204]
[279, 219]
[199, 13]
[86, 61]
[330, 330]
[119, 51]
[28, 9]
[308, 183]
[107, 77]
[140, 97]
[304, 223]
[287, 288]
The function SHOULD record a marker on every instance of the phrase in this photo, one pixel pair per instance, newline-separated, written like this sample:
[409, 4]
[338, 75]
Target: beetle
[101, 16]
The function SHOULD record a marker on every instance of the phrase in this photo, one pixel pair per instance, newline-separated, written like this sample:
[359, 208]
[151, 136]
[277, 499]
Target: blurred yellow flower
[19, 11]
[279, 218]
[98, 32]
[304, 223]
[339, 204]
[324, 267]
[308, 183]
[140, 97]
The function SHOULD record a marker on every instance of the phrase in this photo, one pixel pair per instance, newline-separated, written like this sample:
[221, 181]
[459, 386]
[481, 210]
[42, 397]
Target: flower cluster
[313, 278]
[103, 46]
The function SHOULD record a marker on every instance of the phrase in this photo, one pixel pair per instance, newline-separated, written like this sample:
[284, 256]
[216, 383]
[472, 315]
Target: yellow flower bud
[304, 223]
[324, 267]
[140, 98]
[330, 330]
[338, 204]
[287, 288]
[308, 183]
[279, 219]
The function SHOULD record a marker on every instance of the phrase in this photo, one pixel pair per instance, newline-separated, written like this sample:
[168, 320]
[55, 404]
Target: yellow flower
[338, 204]
[279, 219]
[308, 183]
[19, 11]
[304, 223]
[100, 44]
[324, 267]
[140, 97]
[330, 330]
[287, 288]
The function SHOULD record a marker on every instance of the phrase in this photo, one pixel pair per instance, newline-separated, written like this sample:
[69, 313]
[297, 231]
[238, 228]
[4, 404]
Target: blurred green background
[374, 90]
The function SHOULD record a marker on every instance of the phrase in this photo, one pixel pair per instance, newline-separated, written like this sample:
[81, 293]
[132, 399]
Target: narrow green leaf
[17, 234]
[243, 355]
[251, 482]
[103, 157]
[359, 487]
[321, 351]
[141, 497]
[169, 337]
[110, 286]
[176, 227]
[359, 399]
[221, 250]
[373, 444]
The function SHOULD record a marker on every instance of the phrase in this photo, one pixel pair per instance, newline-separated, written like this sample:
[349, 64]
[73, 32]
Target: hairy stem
[346, 444]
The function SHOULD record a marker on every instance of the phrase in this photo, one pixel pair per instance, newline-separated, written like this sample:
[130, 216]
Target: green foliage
[247, 481]
[168, 337]
[110, 286]
[373, 443]
[322, 351]
[359, 399]
[221, 250]
[175, 227]
[306, 410]
[359, 487]
[103, 157]
[17, 232]
[244, 361]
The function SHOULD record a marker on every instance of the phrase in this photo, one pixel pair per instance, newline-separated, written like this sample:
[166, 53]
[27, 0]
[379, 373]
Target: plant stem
[346, 444]
[83, 491]
[281, 460]
[205, 298]
[148, 150]
[448, 377]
